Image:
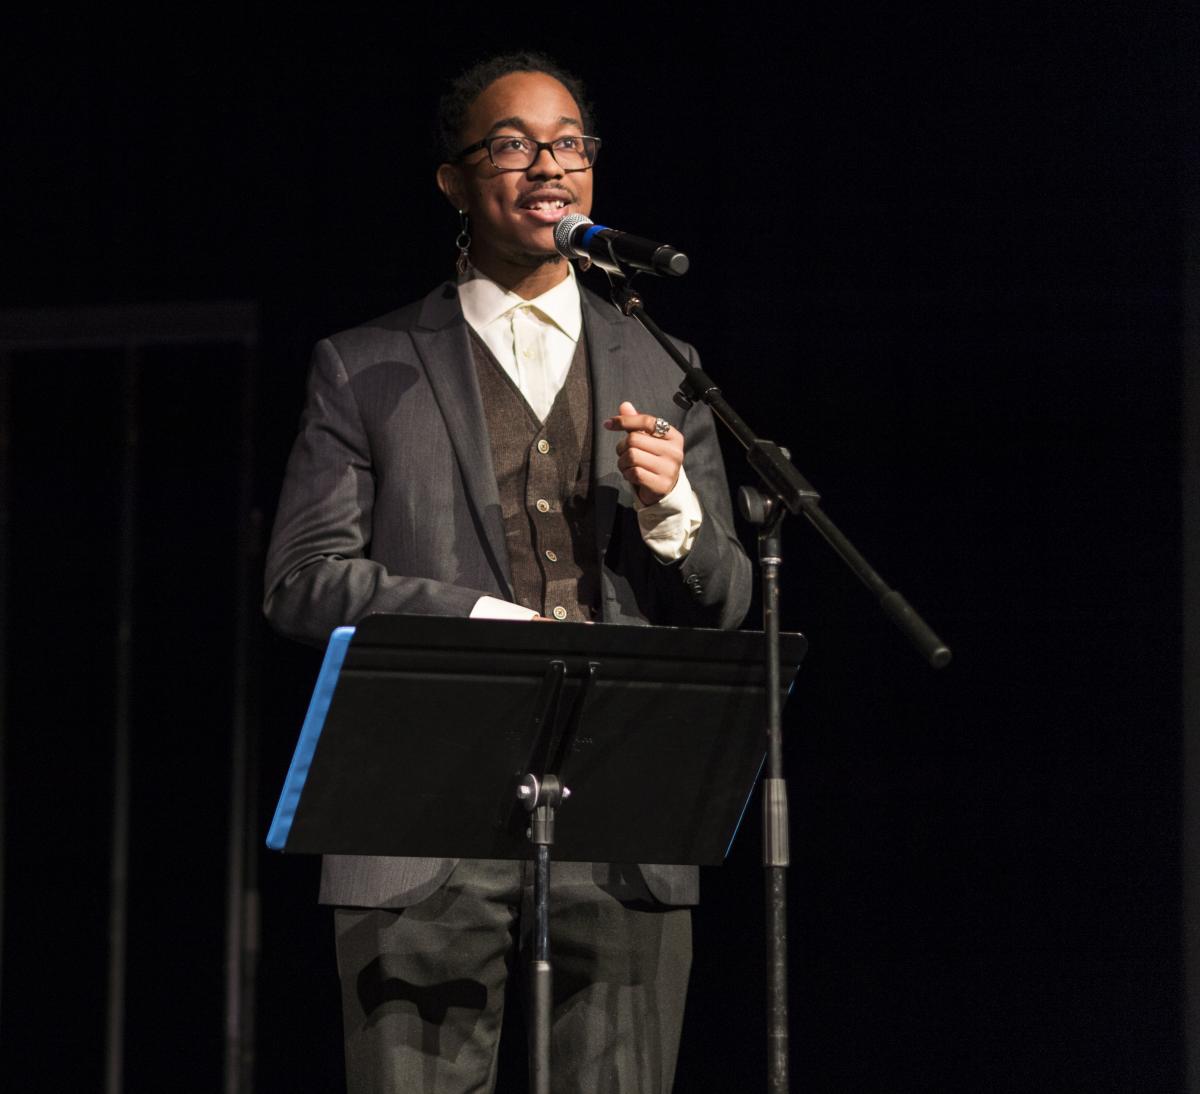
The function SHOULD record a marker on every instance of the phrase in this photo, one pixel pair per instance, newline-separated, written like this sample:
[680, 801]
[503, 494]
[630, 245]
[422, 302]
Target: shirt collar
[483, 302]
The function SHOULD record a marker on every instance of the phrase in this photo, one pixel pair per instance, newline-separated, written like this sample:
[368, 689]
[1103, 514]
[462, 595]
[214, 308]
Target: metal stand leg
[768, 514]
[541, 976]
[541, 798]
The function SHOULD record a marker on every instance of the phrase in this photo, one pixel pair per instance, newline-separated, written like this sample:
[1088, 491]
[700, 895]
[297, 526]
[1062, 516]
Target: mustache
[548, 193]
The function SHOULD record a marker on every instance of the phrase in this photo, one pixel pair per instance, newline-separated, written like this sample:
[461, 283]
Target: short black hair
[467, 87]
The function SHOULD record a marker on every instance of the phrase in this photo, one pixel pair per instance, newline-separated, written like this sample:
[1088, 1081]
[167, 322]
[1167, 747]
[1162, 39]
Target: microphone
[575, 236]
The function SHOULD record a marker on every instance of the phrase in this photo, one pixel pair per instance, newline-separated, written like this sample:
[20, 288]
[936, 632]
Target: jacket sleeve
[318, 573]
[711, 585]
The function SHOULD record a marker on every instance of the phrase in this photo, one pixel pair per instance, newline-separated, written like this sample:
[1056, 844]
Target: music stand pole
[541, 797]
[542, 792]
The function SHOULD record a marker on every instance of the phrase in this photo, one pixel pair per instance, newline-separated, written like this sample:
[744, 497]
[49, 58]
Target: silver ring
[661, 427]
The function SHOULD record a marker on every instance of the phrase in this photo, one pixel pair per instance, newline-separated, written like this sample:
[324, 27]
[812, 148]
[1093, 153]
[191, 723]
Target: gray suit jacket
[390, 504]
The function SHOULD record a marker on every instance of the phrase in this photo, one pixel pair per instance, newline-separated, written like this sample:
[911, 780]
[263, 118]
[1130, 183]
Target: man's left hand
[650, 464]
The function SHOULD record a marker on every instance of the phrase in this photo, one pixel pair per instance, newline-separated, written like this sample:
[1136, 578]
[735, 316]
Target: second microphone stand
[784, 490]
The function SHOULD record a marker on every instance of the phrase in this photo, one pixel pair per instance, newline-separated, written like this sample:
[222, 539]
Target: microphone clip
[626, 299]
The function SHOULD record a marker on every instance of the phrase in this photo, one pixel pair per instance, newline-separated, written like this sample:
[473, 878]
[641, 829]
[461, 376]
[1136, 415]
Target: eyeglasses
[510, 153]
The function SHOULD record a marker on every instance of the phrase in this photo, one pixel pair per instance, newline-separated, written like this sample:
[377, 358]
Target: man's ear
[450, 183]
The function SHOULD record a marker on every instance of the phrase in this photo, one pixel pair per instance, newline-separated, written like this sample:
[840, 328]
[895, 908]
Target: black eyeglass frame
[486, 143]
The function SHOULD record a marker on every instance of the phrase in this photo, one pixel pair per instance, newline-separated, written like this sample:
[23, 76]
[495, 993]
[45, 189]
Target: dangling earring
[463, 243]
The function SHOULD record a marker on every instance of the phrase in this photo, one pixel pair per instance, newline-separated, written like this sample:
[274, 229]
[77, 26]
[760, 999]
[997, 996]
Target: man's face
[513, 213]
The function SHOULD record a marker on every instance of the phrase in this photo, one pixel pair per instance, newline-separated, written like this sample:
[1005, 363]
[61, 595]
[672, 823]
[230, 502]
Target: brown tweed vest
[544, 473]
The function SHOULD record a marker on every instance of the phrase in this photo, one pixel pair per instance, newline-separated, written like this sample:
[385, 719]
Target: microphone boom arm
[782, 480]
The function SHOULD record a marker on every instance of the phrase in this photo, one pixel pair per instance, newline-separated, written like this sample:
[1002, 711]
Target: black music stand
[454, 738]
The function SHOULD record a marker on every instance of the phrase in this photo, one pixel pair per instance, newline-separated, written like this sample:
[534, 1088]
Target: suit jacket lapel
[442, 340]
[610, 363]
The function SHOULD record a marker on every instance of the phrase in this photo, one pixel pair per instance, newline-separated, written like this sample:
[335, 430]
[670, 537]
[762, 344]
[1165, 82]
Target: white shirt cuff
[491, 607]
[669, 526]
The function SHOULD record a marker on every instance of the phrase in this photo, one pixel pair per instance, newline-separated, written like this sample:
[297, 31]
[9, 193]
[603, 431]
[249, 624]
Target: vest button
[559, 612]
[543, 506]
[551, 556]
[543, 446]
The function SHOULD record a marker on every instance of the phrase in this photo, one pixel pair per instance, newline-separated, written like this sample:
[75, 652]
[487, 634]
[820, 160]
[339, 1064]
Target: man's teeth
[544, 206]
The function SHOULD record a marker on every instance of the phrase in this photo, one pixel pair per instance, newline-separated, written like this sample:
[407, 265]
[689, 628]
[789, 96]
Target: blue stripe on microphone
[587, 236]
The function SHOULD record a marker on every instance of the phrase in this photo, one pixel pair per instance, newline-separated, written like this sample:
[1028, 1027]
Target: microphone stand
[784, 490]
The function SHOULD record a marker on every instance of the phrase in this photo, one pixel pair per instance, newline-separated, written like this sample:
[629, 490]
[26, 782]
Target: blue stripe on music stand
[310, 733]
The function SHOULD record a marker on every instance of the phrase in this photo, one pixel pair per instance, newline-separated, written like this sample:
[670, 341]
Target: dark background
[937, 252]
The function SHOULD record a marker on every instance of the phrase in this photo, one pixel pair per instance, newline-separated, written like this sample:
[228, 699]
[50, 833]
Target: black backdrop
[938, 253]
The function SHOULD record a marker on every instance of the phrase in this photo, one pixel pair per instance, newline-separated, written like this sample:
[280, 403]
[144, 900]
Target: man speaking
[506, 447]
